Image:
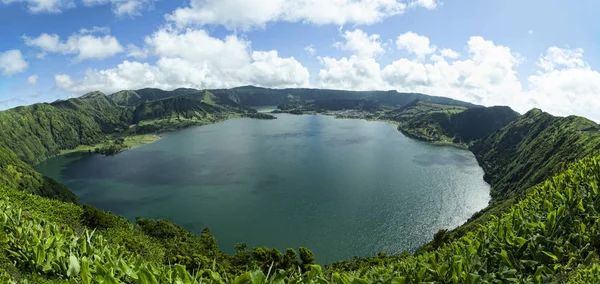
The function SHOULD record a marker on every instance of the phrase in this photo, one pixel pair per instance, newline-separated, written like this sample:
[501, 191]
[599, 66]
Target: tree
[266, 257]
[290, 259]
[242, 257]
[209, 242]
[307, 257]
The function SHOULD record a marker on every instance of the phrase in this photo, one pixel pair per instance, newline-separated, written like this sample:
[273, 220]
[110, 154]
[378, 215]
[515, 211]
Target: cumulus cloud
[360, 43]
[85, 45]
[130, 8]
[194, 59]
[43, 6]
[427, 4]
[562, 58]
[120, 8]
[416, 44]
[354, 73]
[564, 84]
[32, 80]
[137, 52]
[248, 14]
[12, 62]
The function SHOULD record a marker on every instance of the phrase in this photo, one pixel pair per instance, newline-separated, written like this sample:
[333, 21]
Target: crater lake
[339, 187]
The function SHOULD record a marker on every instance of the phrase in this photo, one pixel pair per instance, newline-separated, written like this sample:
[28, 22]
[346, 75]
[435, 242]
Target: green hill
[18, 175]
[449, 124]
[39, 131]
[532, 148]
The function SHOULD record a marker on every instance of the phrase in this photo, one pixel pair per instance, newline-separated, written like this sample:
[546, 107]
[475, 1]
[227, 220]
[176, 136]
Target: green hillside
[532, 148]
[39, 131]
[448, 123]
[18, 175]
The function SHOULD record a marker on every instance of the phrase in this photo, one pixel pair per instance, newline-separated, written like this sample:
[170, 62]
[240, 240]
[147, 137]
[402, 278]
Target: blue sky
[520, 53]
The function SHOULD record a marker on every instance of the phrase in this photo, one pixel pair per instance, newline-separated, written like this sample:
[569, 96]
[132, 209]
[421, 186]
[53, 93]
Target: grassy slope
[533, 148]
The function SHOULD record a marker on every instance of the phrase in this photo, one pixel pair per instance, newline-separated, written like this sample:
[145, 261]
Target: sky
[523, 54]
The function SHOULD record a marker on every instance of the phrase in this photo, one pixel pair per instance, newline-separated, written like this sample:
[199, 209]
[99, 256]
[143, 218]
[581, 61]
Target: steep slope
[447, 123]
[177, 108]
[532, 148]
[16, 174]
[476, 123]
[182, 111]
[39, 131]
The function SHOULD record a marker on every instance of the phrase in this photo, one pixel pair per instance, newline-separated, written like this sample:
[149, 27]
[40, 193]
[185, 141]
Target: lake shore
[129, 142]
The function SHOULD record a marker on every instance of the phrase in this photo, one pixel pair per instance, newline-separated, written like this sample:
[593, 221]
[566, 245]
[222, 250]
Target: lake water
[342, 188]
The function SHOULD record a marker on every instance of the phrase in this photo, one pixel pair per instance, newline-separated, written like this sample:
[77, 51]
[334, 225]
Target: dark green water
[342, 188]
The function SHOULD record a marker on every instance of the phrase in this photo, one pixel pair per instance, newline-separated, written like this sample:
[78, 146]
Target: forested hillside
[18, 175]
[532, 148]
[449, 123]
[39, 131]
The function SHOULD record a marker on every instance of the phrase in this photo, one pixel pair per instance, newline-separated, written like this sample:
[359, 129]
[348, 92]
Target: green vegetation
[449, 124]
[424, 121]
[543, 224]
[533, 148]
[259, 115]
[37, 132]
[18, 175]
[551, 235]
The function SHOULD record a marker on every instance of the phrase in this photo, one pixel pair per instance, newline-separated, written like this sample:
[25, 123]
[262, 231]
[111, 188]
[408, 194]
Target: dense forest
[542, 225]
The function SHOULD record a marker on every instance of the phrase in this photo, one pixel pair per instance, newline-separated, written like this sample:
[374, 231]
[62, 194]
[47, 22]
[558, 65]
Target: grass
[139, 140]
[130, 142]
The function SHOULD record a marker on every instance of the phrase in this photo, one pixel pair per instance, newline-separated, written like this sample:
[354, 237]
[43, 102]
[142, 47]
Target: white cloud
[427, 4]
[194, 59]
[43, 6]
[485, 77]
[32, 80]
[565, 84]
[557, 57]
[12, 62]
[122, 8]
[443, 54]
[354, 73]
[360, 43]
[414, 43]
[310, 50]
[84, 44]
[248, 14]
[449, 53]
[137, 52]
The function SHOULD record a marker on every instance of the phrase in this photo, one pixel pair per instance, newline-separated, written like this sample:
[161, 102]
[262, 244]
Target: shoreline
[132, 141]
